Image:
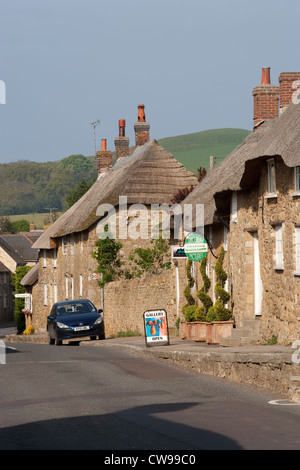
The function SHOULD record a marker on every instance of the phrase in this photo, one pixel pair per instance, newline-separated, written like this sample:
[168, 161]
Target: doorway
[258, 288]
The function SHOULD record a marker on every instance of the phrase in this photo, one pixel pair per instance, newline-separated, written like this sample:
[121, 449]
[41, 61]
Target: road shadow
[138, 428]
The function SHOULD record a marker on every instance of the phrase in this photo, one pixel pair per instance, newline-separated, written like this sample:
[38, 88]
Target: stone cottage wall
[258, 213]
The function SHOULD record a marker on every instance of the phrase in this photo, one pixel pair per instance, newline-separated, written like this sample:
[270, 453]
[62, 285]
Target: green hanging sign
[195, 247]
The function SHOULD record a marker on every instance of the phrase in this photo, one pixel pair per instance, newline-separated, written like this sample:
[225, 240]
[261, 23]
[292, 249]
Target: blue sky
[192, 63]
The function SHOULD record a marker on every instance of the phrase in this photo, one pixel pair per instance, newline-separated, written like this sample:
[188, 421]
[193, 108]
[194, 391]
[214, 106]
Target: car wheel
[93, 338]
[51, 340]
[58, 342]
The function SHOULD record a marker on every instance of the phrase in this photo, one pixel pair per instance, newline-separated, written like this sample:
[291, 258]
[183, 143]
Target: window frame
[279, 252]
[64, 245]
[271, 177]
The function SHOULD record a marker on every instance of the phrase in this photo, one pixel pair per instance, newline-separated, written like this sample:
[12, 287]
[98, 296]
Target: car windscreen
[74, 308]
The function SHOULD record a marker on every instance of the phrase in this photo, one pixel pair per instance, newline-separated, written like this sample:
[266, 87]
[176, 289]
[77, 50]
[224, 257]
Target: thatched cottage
[67, 269]
[15, 250]
[252, 208]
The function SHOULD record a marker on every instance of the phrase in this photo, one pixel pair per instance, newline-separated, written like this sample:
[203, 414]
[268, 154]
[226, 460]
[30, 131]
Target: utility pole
[95, 124]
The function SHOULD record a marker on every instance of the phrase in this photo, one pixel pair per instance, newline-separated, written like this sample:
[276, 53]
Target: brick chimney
[141, 128]
[122, 142]
[104, 159]
[289, 82]
[265, 99]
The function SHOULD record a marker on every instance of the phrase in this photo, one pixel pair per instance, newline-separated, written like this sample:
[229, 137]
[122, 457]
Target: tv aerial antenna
[95, 124]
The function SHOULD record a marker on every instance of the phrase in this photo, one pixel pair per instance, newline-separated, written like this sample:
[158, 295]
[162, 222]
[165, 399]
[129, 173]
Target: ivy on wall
[141, 261]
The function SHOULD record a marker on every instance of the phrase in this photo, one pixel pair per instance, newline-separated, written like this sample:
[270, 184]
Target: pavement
[8, 333]
[270, 367]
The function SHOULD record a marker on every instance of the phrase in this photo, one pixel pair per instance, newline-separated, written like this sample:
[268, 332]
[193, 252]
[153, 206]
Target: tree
[21, 225]
[201, 173]
[19, 303]
[6, 225]
[107, 256]
[78, 191]
[201, 312]
[219, 312]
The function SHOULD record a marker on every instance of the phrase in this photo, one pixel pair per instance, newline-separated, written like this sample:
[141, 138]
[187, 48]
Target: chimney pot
[103, 144]
[141, 113]
[265, 76]
[141, 128]
[122, 142]
[122, 124]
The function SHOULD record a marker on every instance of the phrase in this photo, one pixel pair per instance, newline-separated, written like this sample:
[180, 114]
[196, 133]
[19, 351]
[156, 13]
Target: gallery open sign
[156, 327]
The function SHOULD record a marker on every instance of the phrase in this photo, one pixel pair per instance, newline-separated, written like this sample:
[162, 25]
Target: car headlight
[61, 325]
[98, 321]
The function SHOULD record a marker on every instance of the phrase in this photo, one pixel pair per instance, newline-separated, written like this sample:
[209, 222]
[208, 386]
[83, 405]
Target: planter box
[191, 331]
[218, 330]
[183, 330]
[194, 331]
[201, 330]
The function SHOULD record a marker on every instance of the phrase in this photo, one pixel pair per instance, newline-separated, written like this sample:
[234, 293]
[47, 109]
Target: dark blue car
[73, 319]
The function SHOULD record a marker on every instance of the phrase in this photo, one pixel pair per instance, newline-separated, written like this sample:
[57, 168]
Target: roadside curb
[269, 367]
[272, 370]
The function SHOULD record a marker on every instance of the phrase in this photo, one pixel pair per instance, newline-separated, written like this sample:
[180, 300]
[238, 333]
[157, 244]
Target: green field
[194, 150]
[37, 219]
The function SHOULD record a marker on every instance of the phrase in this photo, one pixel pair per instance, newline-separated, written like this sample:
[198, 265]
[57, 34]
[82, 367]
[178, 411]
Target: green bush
[187, 291]
[200, 314]
[219, 312]
[211, 315]
[202, 293]
[189, 312]
[19, 302]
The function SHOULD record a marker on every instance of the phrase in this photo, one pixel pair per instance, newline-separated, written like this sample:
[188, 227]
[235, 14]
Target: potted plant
[201, 312]
[218, 315]
[194, 327]
[187, 312]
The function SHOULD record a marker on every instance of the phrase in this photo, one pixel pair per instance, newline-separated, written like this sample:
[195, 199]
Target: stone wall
[125, 302]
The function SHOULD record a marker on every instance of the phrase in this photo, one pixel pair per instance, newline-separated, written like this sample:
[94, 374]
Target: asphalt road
[110, 399]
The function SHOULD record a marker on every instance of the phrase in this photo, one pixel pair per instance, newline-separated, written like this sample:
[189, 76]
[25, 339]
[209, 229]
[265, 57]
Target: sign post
[156, 327]
[195, 247]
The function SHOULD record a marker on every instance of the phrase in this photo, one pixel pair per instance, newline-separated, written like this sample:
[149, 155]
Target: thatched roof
[31, 276]
[150, 175]
[278, 137]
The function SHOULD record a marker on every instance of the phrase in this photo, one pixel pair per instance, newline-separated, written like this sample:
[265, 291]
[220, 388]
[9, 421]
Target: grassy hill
[194, 150]
[30, 188]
